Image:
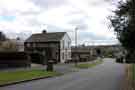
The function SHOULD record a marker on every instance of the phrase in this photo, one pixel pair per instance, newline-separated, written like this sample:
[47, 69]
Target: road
[106, 76]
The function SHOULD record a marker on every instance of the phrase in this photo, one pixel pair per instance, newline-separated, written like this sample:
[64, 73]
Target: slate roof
[81, 49]
[46, 37]
[88, 48]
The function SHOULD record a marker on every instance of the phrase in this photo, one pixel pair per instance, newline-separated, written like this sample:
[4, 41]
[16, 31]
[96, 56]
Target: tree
[8, 45]
[2, 36]
[123, 22]
[98, 51]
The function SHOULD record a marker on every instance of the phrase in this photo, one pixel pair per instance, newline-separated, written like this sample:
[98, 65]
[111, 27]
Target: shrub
[14, 59]
[120, 59]
[7, 46]
[37, 58]
[130, 58]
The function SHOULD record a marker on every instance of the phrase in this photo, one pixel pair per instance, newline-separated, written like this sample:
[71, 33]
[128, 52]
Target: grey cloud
[79, 23]
[93, 38]
[53, 28]
[100, 2]
[5, 12]
[34, 22]
[49, 3]
[32, 12]
[14, 35]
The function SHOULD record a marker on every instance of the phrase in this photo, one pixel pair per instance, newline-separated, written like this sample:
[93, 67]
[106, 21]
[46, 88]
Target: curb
[23, 81]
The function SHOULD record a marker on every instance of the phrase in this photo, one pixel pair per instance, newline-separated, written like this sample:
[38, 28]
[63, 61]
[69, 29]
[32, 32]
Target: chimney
[44, 31]
[18, 38]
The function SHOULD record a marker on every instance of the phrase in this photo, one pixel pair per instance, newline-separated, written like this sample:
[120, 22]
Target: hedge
[120, 59]
[37, 58]
[14, 59]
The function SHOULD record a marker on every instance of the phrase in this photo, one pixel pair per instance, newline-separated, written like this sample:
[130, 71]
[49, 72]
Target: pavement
[106, 76]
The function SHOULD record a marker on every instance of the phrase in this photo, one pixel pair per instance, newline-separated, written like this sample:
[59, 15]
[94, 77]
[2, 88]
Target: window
[69, 44]
[69, 53]
[34, 44]
[63, 55]
[28, 44]
[63, 44]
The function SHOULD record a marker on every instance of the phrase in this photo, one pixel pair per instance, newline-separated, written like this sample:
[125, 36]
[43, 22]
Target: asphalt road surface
[106, 76]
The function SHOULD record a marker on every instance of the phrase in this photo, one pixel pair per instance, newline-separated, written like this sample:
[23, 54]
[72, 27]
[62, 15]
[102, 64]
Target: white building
[55, 45]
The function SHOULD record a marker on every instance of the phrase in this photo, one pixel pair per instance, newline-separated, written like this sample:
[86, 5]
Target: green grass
[8, 77]
[133, 76]
[88, 65]
[133, 68]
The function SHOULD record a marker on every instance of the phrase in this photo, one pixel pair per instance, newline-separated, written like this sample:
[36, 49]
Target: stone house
[53, 45]
[83, 53]
[19, 44]
[109, 50]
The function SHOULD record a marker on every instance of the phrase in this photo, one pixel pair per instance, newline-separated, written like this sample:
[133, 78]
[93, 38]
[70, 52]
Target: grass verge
[9, 77]
[129, 83]
[88, 65]
[133, 68]
[133, 76]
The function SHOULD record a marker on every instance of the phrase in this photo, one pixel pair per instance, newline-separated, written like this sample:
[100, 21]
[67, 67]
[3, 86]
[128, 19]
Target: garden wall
[14, 59]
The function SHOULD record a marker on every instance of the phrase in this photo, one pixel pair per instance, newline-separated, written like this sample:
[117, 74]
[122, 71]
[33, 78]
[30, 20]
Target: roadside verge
[15, 77]
[88, 64]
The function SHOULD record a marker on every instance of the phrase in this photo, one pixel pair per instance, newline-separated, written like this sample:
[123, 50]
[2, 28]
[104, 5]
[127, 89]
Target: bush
[83, 59]
[120, 59]
[8, 46]
[37, 58]
[130, 58]
[14, 59]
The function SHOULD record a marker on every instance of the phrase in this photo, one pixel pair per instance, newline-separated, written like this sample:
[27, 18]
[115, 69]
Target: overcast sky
[24, 17]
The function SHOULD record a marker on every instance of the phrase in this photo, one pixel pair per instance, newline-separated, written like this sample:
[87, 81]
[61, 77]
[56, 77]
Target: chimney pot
[44, 31]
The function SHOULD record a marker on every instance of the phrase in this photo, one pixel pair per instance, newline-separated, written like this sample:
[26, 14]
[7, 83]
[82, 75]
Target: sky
[21, 18]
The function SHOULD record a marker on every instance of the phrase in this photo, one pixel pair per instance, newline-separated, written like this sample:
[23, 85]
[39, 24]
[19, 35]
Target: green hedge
[14, 59]
[37, 58]
[120, 59]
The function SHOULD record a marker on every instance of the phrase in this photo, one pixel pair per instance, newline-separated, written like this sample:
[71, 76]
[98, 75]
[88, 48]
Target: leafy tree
[2, 36]
[98, 51]
[8, 45]
[123, 22]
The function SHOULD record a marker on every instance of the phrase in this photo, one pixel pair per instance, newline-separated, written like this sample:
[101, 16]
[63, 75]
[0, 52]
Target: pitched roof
[80, 49]
[46, 37]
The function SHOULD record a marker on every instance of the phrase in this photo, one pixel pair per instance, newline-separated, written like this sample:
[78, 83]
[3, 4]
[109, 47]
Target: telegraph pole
[76, 57]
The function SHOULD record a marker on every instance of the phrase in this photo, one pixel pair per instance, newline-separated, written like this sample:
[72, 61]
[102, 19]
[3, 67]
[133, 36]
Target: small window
[63, 44]
[28, 44]
[69, 53]
[68, 44]
[34, 44]
[63, 55]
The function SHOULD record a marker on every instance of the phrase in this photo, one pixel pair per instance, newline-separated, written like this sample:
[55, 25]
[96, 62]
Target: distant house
[19, 44]
[55, 45]
[86, 53]
[109, 50]
[2, 37]
[83, 53]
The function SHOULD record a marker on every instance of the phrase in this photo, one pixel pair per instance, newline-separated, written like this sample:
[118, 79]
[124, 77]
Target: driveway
[106, 76]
